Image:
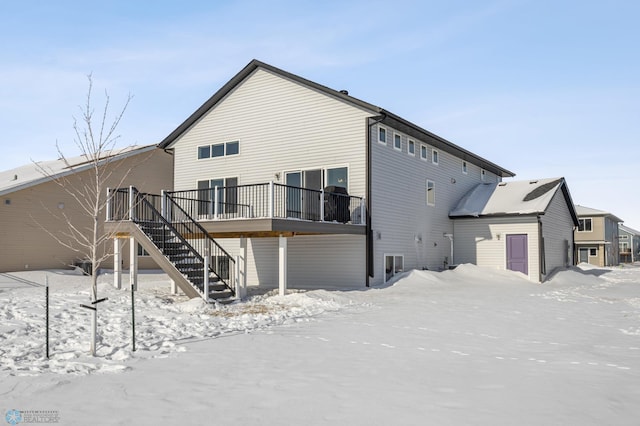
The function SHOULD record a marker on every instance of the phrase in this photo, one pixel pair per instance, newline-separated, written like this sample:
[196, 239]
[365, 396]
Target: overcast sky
[542, 88]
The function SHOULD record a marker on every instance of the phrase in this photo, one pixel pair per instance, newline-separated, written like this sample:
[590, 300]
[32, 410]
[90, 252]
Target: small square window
[593, 252]
[411, 147]
[464, 167]
[233, 148]
[435, 156]
[217, 150]
[204, 152]
[423, 152]
[585, 225]
[382, 135]
[397, 142]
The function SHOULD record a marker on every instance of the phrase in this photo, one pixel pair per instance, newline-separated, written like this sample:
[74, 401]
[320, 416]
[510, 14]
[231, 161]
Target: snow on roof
[32, 174]
[508, 198]
[588, 211]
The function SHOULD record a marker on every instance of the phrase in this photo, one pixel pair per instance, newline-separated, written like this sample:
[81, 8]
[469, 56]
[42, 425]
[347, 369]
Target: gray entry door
[517, 253]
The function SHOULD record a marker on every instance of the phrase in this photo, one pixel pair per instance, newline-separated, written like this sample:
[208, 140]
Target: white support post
[133, 263]
[241, 269]
[207, 256]
[216, 208]
[363, 211]
[108, 209]
[131, 204]
[271, 193]
[282, 265]
[322, 205]
[117, 263]
[174, 287]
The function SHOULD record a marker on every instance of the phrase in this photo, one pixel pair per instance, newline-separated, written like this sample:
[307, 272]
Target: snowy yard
[469, 346]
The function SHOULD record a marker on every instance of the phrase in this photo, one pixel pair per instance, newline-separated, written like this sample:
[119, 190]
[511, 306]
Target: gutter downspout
[450, 236]
[541, 260]
[371, 121]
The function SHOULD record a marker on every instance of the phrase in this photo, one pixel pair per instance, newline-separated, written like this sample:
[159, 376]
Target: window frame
[382, 129]
[595, 250]
[483, 175]
[213, 146]
[424, 149]
[411, 144]
[435, 156]
[226, 148]
[397, 137]
[465, 167]
[394, 269]
[585, 219]
[431, 192]
[200, 148]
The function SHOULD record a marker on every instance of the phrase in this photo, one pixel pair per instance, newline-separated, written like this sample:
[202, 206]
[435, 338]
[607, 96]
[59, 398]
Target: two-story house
[596, 238]
[629, 244]
[303, 186]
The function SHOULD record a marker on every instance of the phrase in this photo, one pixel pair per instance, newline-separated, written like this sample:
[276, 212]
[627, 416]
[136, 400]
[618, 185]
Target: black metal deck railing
[267, 200]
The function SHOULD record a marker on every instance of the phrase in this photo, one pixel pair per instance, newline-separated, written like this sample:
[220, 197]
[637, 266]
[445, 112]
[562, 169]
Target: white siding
[281, 126]
[482, 241]
[402, 222]
[557, 231]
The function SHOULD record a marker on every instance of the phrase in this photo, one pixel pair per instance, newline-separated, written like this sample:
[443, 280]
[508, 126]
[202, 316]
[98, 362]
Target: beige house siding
[482, 241]
[25, 214]
[604, 236]
[281, 126]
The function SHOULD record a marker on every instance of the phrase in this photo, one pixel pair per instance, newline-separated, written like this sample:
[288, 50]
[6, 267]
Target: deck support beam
[282, 265]
[117, 263]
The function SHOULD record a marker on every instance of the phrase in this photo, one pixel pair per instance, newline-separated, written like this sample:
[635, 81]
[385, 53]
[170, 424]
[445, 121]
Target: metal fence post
[271, 201]
[132, 212]
[363, 211]
[207, 254]
[108, 215]
[216, 208]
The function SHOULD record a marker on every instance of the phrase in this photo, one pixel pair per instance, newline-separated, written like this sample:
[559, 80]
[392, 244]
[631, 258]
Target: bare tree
[95, 138]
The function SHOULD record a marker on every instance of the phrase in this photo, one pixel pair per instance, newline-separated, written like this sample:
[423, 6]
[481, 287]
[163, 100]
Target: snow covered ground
[465, 347]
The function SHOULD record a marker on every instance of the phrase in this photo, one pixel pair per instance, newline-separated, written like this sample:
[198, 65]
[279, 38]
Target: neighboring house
[629, 244]
[32, 205]
[524, 226]
[282, 151]
[596, 238]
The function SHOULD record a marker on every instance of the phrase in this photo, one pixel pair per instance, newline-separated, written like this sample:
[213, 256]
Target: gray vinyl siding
[402, 222]
[557, 231]
[281, 126]
[482, 241]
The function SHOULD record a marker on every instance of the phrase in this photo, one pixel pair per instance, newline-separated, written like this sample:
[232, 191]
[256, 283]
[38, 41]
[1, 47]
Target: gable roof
[384, 116]
[32, 174]
[628, 230]
[525, 197]
[588, 211]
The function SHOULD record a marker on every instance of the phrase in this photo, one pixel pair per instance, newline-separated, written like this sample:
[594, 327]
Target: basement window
[393, 264]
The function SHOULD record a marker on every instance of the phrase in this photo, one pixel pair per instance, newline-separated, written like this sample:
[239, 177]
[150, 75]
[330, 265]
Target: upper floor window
[483, 174]
[585, 225]
[218, 150]
[423, 152]
[382, 135]
[411, 147]
[204, 152]
[431, 193]
[397, 142]
[435, 156]
[464, 167]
